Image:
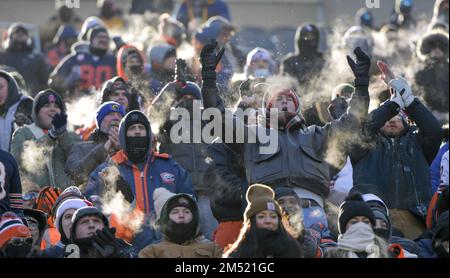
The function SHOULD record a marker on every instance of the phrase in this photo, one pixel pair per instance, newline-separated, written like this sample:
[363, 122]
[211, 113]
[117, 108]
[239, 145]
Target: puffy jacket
[28, 62]
[399, 167]
[50, 170]
[14, 113]
[226, 182]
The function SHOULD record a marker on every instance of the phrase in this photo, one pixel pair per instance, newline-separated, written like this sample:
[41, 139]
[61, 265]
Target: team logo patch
[270, 206]
[51, 98]
[168, 178]
[115, 107]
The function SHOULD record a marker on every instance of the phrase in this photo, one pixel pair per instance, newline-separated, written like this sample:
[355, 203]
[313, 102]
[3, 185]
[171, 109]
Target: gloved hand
[180, 71]
[59, 125]
[360, 68]
[73, 77]
[125, 189]
[399, 84]
[107, 245]
[209, 60]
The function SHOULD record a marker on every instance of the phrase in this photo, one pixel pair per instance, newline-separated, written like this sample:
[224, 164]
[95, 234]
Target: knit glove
[59, 125]
[360, 68]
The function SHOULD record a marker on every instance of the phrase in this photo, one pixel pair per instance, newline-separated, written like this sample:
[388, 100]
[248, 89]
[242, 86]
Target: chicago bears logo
[168, 178]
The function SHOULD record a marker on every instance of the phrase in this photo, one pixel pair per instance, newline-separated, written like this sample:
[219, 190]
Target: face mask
[137, 148]
[135, 70]
[308, 47]
[19, 45]
[261, 73]
[181, 233]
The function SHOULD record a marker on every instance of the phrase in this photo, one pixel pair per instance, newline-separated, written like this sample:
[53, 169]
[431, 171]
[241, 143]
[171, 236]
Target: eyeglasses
[19, 241]
[30, 196]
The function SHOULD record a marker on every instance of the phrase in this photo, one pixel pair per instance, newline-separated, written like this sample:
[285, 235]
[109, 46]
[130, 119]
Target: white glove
[399, 84]
[397, 98]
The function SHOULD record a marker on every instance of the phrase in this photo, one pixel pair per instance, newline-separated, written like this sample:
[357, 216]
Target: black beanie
[353, 206]
[94, 31]
[45, 97]
[283, 192]
[441, 230]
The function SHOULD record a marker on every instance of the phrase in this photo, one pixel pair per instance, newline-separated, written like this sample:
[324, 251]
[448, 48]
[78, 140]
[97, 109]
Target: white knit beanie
[68, 204]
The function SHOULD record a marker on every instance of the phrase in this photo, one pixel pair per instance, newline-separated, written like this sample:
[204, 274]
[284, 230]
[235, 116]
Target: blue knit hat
[106, 108]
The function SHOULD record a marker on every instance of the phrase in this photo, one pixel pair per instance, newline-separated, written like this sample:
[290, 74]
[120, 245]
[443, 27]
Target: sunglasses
[19, 241]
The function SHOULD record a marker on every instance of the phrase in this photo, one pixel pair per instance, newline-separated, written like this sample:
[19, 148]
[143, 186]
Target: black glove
[244, 88]
[360, 68]
[180, 71]
[125, 189]
[209, 60]
[59, 125]
[107, 245]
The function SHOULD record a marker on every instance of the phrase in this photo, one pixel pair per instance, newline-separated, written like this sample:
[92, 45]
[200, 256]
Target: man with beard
[179, 223]
[313, 239]
[432, 75]
[103, 142]
[19, 53]
[307, 61]
[48, 135]
[81, 72]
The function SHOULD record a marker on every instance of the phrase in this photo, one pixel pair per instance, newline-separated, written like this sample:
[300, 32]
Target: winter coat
[191, 156]
[14, 113]
[30, 64]
[49, 169]
[187, 11]
[303, 64]
[299, 157]
[159, 170]
[84, 157]
[399, 167]
[199, 248]
[226, 182]
[10, 185]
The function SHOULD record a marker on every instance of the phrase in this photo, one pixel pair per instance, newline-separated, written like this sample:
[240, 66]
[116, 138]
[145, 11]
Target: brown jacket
[197, 249]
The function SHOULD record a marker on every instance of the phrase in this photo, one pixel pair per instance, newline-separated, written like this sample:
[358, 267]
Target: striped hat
[11, 226]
